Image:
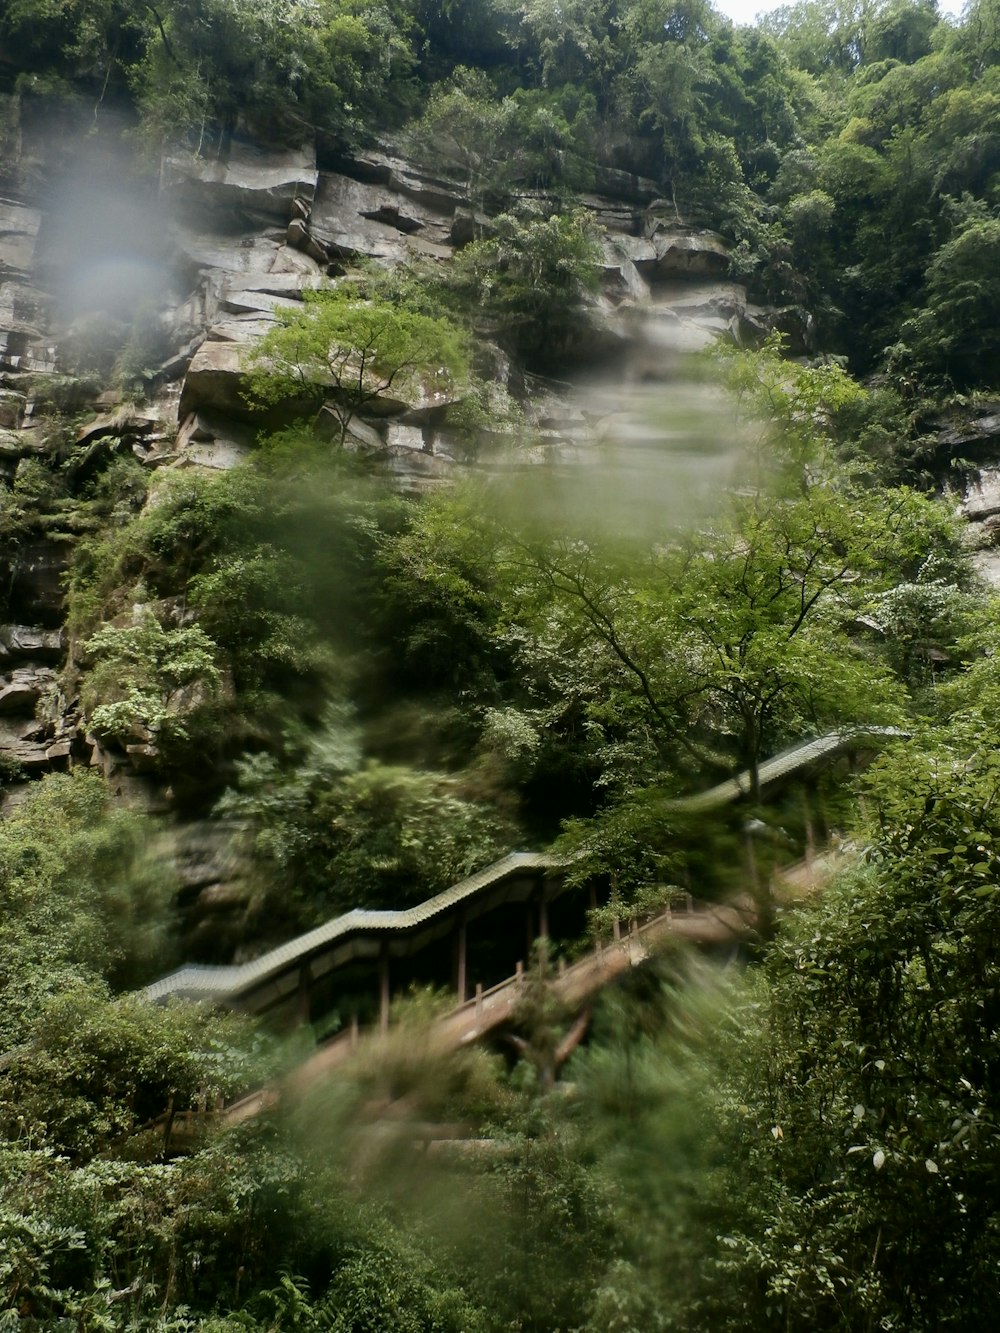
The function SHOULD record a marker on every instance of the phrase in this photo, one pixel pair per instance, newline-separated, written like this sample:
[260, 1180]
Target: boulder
[214, 441]
[143, 756]
[250, 301]
[251, 184]
[23, 688]
[399, 436]
[660, 334]
[15, 445]
[381, 166]
[708, 310]
[469, 225]
[352, 218]
[12, 407]
[621, 280]
[18, 235]
[285, 285]
[973, 435]
[241, 328]
[31, 641]
[216, 380]
[242, 252]
[639, 249]
[360, 434]
[681, 253]
[717, 301]
[982, 495]
[25, 742]
[290, 260]
[125, 422]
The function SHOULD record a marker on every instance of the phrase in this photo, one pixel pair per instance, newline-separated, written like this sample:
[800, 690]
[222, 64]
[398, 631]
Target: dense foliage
[384, 694]
[848, 151]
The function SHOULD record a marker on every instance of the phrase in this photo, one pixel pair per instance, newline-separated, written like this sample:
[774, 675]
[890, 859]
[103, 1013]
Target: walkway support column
[807, 814]
[304, 997]
[383, 980]
[461, 944]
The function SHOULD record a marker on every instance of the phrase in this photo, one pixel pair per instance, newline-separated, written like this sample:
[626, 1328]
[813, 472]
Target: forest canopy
[375, 690]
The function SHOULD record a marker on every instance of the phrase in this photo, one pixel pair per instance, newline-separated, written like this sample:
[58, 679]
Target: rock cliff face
[174, 279]
[114, 281]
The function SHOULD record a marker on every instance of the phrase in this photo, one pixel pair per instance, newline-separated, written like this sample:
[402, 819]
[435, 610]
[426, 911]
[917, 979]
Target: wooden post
[616, 929]
[354, 1029]
[519, 972]
[810, 830]
[303, 1007]
[750, 863]
[383, 969]
[543, 912]
[855, 769]
[479, 1000]
[460, 961]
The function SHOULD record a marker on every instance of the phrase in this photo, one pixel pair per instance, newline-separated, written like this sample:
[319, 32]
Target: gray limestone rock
[399, 436]
[360, 434]
[621, 279]
[207, 852]
[36, 581]
[252, 182]
[469, 225]
[973, 436]
[215, 379]
[982, 496]
[12, 407]
[214, 441]
[352, 218]
[18, 235]
[688, 254]
[25, 742]
[31, 641]
[24, 687]
[241, 328]
[243, 252]
[381, 166]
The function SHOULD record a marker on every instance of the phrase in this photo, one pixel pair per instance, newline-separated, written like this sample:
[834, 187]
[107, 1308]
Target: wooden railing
[490, 1008]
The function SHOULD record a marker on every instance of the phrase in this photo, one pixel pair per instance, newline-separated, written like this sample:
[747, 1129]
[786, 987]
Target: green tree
[531, 279]
[145, 678]
[865, 1106]
[338, 833]
[91, 1070]
[732, 641]
[85, 890]
[357, 352]
[955, 335]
